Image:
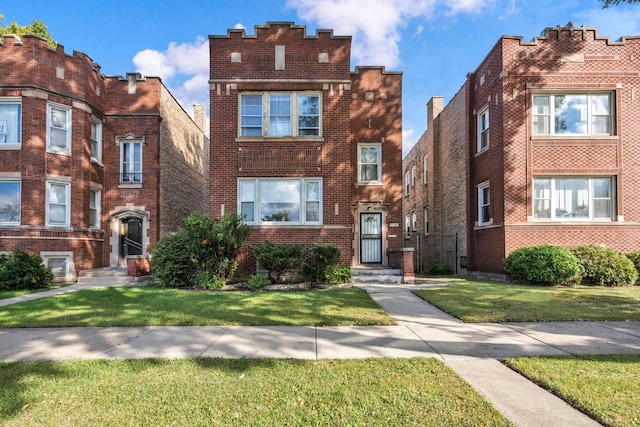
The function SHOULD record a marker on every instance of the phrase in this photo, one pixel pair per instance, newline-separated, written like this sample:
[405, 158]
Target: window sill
[280, 139]
[560, 137]
[10, 146]
[484, 150]
[96, 161]
[130, 185]
[369, 184]
[59, 152]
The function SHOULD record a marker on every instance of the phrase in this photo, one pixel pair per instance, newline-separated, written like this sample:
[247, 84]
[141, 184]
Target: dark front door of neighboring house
[370, 237]
[130, 238]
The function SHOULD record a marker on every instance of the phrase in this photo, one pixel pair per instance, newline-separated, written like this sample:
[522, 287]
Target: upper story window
[10, 202]
[426, 221]
[573, 198]
[573, 114]
[483, 129]
[282, 201]
[96, 139]
[425, 169]
[280, 114]
[131, 162]
[58, 208]
[10, 121]
[414, 174]
[407, 183]
[369, 163]
[59, 128]
[94, 208]
[484, 204]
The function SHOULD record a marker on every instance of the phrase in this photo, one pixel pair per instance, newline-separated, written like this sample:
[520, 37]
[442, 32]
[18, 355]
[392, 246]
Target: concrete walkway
[471, 350]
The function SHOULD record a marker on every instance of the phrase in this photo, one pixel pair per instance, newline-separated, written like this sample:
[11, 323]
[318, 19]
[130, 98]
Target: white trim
[66, 150]
[4, 203]
[378, 146]
[483, 128]
[70, 268]
[482, 203]
[67, 203]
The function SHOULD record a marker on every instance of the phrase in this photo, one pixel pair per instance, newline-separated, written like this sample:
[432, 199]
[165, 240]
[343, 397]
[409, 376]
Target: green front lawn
[242, 392]
[605, 387]
[487, 301]
[146, 306]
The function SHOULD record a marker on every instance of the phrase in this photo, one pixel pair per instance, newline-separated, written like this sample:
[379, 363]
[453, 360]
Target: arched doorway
[130, 238]
[129, 235]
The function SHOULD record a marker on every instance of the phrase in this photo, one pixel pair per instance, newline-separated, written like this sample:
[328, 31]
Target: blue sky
[435, 43]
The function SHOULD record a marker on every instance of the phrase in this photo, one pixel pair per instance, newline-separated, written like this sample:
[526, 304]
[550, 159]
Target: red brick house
[93, 169]
[306, 149]
[550, 149]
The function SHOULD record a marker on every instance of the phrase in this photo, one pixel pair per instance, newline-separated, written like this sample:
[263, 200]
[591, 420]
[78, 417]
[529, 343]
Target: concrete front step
[104, 272]
[105, 277]
[376, 275]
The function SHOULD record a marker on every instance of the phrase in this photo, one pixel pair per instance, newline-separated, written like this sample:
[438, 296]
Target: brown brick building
[550, 130]
[92, 168]
[306, 149]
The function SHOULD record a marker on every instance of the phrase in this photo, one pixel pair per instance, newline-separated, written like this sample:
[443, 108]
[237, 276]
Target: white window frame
[426, 221]
[95, 201]
[95, 140]
[407, 226]
[407, 183]
[51, 125]
[550, 128]
[425, 169]
[265, 117]
[129, 176]
[414, 174]
[484, 204]
[583, 212]
[414, 221]
[253, 200]
[5, 202]
[483, 129]
[10, 127]
[66, 204]
[69, 266]
[378, 147]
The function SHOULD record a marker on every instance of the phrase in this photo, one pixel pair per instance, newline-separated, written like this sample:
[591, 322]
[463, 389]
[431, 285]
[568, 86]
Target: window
[573, 114]
[61, 265]
[426, 221]
[407, 226]
[414, 172]
[58, 128]
[131, 162]
[280, 114]
[291, 201]
[407, 183]
[414, 221]
[369, 163]
[483, 204]
[9, 202]
[573, 198]
[96, 139]
[58, 203]
[94, 208]
[483, 129]
[425, 169]
[10, 121]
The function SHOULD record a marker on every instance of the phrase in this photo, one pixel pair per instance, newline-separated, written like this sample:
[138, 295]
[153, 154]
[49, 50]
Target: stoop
[105, 276]
[376, 275]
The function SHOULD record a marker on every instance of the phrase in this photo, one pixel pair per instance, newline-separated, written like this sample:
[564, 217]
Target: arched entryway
[128, 235]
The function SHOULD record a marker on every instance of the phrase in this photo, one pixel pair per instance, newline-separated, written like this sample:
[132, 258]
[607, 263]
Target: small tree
[37, 28]
[21, 270]
[278, 259]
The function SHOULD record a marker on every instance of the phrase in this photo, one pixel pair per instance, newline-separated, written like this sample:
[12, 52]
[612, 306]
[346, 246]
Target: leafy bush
[201, 255]
[334, 275]
[21, 270]
[278, 259]
[543, 265]
[323, 256]
[258, 281]
[438, 269]
[634, 257]
[604, 266]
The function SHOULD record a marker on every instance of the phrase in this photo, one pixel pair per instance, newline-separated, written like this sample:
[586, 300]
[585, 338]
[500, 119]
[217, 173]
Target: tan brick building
[92, 168]
[306, 149]
[551, 135]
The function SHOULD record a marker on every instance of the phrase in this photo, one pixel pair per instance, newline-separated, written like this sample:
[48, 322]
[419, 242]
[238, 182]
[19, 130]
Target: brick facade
[361, 107]
[127, 109]
[564, 61]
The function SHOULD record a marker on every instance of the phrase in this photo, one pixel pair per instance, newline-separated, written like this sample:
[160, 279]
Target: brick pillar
[402, 258]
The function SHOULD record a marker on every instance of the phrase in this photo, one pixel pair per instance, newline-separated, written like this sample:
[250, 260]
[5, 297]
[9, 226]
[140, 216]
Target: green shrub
[258, 281]
[604, 266]
[278, 259]
[634, 257]
[438, 269]
[323, 256]
[21, 270]
[202, 255]
[543, 265]
[334, 275]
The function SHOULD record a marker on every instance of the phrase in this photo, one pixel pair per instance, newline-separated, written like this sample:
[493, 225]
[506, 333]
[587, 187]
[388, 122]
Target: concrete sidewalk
[471, 350]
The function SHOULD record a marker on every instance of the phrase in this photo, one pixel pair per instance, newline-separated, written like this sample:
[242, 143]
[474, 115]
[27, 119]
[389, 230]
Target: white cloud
[153, 63]
[408, 141]
[467, 6]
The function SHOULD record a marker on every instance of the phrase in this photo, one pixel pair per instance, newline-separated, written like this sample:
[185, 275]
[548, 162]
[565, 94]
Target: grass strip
[265, 392]
[147, 306]
[487, 301]
[606, 387]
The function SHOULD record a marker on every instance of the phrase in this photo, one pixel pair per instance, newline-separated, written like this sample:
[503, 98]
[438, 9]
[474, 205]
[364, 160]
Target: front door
[130, 238]
[370, 237]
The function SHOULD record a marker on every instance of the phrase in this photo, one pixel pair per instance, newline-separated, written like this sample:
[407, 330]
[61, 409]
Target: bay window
[573, 114]
[59, 128]
[10, 121]
[9, 202]
[290, 201]
[573, 198]
[96, 139]
[58, 208]
[279, 114]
